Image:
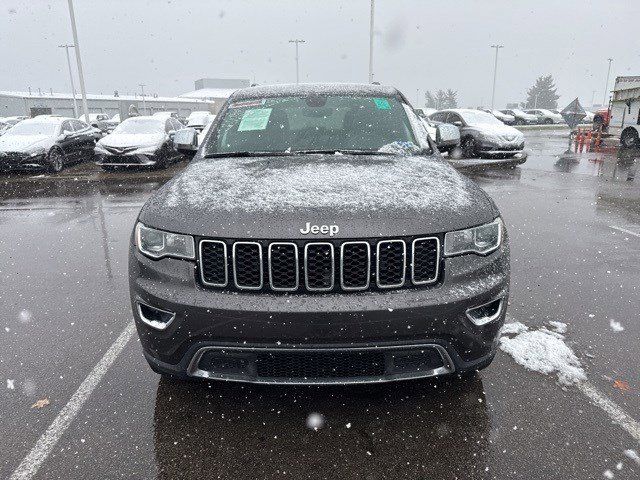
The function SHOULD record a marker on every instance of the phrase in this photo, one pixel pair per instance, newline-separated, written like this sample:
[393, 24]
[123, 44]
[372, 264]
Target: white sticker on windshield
[254, 119]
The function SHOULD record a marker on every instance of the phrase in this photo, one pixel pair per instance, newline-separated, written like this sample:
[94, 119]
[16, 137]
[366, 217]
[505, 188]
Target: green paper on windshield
[382, 103]
[254, 119]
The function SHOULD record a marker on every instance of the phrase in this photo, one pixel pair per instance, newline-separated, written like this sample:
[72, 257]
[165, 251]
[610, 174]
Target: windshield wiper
[246, 154]
[339, 151]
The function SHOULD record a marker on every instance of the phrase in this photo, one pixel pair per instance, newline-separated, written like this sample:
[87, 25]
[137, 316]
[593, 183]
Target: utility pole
[297, 42]
[83, 91]
[593, 95]
[417, 97]
[371, 41]
[495, 73]
[144, 103]
[73, 87]
[606, 85]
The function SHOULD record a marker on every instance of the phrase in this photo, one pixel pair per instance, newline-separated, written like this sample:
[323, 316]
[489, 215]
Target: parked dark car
[48, 142]
[318, 237]
[139, 142]
[482, 134]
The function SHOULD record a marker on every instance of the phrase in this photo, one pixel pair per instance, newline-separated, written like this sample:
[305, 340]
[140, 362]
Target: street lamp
[83, 91]
[297, 42]
[495, 72]
[606, 85]
[144, 103]
[371, 41]
[73, 88]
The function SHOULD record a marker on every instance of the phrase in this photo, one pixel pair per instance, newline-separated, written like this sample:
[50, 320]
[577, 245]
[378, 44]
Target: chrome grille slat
[349, 284]
[386, 253]
[418, 262]
[275, 279]
[246, 266]
[315, 270]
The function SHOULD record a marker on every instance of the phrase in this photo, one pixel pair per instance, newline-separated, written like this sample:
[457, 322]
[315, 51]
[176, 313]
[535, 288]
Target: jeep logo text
[324, 229]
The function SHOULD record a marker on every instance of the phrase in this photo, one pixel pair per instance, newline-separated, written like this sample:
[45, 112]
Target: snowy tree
[429, 100]
[451, 98]
[542, 94]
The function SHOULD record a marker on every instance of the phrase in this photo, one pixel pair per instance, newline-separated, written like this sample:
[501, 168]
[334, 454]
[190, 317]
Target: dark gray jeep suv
[317, 238]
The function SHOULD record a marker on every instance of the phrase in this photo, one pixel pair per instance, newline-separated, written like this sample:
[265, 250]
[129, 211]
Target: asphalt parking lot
[78, 399]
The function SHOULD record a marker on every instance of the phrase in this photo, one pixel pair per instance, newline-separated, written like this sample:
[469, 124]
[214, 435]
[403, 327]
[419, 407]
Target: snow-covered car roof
[302, 89]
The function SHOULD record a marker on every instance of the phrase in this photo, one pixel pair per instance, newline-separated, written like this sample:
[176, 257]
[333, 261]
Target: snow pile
[633, 455]
[542, 351]
[288, 184]
[559, 327]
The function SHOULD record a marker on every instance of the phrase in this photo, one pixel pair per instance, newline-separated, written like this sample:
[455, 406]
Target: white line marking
[616, 414]
[624, 230]
[43, 447]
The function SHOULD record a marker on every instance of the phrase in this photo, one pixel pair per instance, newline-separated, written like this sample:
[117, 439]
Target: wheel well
[630, 128]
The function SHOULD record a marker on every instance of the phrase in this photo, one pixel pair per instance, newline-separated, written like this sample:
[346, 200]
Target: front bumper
[244, 329]
[22, 161]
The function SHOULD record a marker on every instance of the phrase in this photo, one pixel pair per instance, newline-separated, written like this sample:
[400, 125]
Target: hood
[274, 197]
[132, 140]
[504, 132]
[22, 143]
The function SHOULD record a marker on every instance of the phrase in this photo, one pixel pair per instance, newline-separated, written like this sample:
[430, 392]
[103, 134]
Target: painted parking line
[613, 411]
[624, 230]
[43, 447]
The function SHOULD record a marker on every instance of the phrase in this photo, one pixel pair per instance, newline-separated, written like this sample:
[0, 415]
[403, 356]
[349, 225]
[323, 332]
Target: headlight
[481, 240]
[100, 149]
[157, 243]
[149, 149]
[37, 152]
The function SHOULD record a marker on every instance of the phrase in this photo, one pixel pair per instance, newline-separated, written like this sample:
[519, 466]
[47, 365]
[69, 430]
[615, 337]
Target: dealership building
[209, 94]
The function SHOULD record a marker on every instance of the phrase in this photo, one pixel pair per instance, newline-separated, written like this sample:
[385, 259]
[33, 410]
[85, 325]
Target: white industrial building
[209, 94]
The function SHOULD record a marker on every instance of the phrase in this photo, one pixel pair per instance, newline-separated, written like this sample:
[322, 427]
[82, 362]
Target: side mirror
[171, 134]
[185, 141]
[457, 123]
[446, 132]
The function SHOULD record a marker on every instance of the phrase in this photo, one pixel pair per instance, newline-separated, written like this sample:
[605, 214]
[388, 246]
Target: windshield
[477, 117]
[317, 123]
[33, 128]
[140, 126]
[519, 112]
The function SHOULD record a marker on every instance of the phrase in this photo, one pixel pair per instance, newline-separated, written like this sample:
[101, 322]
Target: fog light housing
[486, 313]
[155, 317]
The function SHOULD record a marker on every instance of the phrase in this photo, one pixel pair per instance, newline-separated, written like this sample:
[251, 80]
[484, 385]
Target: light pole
[144, 103]
[73, 88]
[371, 41]
[83, 91]
[495, 72]
[297, 42]
[417, 97]
[606, 85]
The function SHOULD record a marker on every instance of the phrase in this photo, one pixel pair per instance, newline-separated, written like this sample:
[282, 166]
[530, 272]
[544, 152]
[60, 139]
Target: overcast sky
[419, 44]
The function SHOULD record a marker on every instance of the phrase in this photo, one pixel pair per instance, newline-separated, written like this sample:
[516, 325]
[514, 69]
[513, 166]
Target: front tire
[629, 139]
[56, 159]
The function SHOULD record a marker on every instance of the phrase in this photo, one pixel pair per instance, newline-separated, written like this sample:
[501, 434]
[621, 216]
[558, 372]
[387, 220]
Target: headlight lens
[481, 240]
[157, 243]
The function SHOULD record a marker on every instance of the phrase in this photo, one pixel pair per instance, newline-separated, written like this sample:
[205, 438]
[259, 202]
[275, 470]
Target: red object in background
[602, 118]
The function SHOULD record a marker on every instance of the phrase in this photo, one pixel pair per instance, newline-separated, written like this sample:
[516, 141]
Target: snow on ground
[633, 455]
[542, 351]
[559, 327]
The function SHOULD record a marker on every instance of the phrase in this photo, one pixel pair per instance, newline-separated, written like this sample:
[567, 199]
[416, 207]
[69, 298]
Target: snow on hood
[497, 130]
[20, 143]
[273, 197]
[286, 185]
[132, 139]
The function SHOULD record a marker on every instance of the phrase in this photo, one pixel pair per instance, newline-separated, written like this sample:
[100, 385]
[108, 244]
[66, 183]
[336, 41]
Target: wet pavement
[574, 223]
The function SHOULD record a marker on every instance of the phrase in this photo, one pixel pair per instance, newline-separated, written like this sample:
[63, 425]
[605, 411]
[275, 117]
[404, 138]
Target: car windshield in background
[315, 123]
[140, 126]
[480, 118]
[33, 128]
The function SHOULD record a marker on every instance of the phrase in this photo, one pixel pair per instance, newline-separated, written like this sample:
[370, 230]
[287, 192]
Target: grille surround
[352, 262]
[235, 266]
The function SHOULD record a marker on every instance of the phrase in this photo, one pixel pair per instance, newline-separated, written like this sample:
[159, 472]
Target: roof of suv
[308, 88]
